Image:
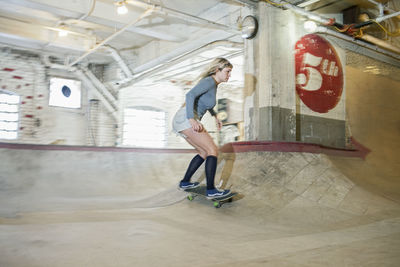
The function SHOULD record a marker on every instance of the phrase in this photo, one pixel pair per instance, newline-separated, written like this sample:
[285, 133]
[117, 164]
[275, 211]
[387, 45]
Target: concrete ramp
[299, 189]
[122, 208]
[52, 180]
[373, 117]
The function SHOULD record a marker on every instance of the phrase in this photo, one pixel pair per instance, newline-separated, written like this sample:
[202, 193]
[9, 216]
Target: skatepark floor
[117, 209]
[190, 233]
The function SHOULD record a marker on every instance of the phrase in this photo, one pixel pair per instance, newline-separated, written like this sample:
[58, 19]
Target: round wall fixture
[66, 91]
[249, 27]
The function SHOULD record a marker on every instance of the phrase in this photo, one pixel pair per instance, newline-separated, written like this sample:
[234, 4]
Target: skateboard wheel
[190, 198]
[217, 205]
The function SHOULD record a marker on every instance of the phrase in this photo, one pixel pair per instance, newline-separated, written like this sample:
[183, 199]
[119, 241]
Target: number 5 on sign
[310, 79]
[319, 75]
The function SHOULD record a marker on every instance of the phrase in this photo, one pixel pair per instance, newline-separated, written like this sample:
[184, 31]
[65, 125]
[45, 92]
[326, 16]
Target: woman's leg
[202, 141]
[194, 164]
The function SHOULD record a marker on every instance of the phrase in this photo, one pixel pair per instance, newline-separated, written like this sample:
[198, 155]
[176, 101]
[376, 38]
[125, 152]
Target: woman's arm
[214, 114]
[197, 126]
[200, 88]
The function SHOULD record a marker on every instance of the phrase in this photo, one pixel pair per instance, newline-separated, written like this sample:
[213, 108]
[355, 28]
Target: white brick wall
[23, 76]
[162, 96]
[43, 124]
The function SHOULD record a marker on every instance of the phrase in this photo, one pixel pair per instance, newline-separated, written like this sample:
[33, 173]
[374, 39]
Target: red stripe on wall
[359, 151]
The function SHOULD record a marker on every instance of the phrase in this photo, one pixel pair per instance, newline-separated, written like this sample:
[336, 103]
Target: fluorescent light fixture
[307, 3]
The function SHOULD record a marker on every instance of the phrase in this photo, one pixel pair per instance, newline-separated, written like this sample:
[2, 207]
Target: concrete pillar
[269, 77]
[272, 110]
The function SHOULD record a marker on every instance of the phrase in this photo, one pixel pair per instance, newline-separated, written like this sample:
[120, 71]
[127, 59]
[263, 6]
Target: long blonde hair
[219, 63]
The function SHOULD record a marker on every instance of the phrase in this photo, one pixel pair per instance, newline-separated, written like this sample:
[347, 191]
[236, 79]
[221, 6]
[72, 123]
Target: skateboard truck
[202, 191]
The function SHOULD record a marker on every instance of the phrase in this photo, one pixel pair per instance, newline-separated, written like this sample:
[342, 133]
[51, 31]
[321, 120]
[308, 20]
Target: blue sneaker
[188, 185]
[214, 193]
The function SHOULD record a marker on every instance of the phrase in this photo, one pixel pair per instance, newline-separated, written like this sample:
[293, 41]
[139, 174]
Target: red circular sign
[319, 74]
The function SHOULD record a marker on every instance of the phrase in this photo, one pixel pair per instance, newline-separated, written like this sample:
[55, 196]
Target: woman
[199, 100]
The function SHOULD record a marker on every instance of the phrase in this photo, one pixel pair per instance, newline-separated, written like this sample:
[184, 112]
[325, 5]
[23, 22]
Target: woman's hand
[197, 126]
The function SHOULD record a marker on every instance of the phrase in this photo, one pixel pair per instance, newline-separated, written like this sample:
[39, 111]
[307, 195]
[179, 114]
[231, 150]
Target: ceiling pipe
[145, 70]
[125, 68]
[145, 14]
[379, 19]
[381, 43]
[168, 11]
[84, 16]
[327, 21]
[198, 66]
[380, 6]
[307, 3]
[348, 38]
[92, 5]
[303, 12]
[87, 80]
[251, 3]
[100, 85]
[190, 54]
[106, 103]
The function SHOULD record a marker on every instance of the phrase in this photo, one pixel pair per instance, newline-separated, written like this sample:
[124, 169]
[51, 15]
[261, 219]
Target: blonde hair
[218, 63]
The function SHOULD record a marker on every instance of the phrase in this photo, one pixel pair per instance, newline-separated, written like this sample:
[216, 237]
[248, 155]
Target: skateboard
[202, 191]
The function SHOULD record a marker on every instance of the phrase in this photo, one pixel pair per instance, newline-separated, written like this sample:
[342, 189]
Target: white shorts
[180, 122]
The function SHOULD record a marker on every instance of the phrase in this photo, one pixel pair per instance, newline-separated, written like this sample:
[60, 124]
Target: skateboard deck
[202, 191]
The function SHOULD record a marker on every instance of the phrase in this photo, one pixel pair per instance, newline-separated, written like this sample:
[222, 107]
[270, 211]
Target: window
[144, 127]
[9, 115]
[65, 93]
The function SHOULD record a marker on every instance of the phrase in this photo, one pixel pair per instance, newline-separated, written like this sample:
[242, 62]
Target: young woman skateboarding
[200, 99]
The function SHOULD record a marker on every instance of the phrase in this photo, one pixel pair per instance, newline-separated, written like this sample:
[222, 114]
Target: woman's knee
[212, 151]
[203, 143]
[202, 153]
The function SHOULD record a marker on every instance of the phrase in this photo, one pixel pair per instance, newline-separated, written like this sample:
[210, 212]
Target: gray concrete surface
[77, 208]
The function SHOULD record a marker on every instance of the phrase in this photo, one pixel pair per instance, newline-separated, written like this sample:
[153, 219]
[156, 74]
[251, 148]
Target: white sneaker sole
[189, 187]
[218, 196]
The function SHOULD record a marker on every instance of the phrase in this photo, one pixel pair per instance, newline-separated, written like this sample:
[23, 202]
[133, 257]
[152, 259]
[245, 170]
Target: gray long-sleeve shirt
[201, 98]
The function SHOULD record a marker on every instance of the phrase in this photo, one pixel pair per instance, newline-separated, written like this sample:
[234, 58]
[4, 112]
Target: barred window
[9, 115]
[144, 127]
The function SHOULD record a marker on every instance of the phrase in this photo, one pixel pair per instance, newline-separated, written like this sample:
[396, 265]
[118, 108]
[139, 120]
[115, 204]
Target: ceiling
[35, 25]
[153, 32]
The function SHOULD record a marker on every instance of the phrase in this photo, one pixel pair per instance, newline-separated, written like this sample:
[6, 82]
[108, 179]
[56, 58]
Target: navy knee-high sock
[211, 168]
[195, 163]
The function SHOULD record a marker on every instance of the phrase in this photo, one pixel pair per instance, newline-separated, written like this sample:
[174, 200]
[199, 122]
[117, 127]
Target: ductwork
[125, 68]
[328, 21]
[99, 95]
[145, 14]
[382, 18]
[187, 17]
[360, 43]
[91, 81]
[143, 71]
[99, 85]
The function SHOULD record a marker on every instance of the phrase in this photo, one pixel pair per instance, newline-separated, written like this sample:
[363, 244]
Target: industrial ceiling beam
[59, 15]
